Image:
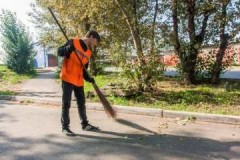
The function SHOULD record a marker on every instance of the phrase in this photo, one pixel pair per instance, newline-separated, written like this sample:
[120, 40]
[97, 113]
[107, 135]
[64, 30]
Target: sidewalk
[43, 86]
[31, 131]
[45, 90]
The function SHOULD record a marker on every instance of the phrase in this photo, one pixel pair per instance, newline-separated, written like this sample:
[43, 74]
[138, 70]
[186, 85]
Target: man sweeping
[73, 76]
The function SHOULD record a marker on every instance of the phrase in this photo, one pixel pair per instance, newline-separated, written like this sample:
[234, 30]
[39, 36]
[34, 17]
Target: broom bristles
[107, 107]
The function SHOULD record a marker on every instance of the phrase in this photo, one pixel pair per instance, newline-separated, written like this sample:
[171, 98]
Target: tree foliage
[136, 30]
[193, 25]
[76, 17]
[16, 43]
[128, 30]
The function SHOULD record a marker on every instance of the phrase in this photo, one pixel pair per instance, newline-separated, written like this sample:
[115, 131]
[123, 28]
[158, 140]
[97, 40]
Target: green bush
[17, 43]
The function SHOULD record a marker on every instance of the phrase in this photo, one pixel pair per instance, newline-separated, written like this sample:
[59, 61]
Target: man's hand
[92, 80]
[70, 47]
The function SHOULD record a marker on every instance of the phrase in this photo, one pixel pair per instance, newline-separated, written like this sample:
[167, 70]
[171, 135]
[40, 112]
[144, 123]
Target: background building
[45, 57]
[170, 58]
[1, 57]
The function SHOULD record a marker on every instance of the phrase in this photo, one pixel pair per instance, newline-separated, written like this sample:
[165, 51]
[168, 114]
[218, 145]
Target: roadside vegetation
[170, 94]
[18, 49]
[9, 79]
[136, 45]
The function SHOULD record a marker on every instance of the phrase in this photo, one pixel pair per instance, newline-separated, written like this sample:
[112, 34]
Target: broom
[107, 107]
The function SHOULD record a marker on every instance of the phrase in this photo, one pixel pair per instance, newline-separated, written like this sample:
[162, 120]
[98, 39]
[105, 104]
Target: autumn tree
[192, 25]
[128, 29]
[194, 22]
[227, 21]
[75, 22]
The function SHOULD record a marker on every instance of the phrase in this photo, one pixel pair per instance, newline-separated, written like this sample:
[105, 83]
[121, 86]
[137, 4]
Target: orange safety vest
[72, 69]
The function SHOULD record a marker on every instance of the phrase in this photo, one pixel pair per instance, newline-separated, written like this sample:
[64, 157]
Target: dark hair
[94, 34]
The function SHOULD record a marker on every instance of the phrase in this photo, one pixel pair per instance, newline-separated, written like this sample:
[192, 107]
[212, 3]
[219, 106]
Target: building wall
[171, 59]
[238, 55]
[40, 58]
[52, 60]
[1, 57]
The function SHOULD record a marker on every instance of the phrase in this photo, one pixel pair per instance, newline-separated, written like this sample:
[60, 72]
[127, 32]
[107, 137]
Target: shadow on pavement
[40, 94]
[179, 146]
[45, 70]
[6, 118]
[182, 144]
[135, 146]
[46, 75]
[134, 125]
[4, 102]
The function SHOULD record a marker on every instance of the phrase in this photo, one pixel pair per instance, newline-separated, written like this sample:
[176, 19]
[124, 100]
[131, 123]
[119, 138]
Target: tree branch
[153, 26]
[133, 26]
[191, 17]
[200, 36]
[175, 26]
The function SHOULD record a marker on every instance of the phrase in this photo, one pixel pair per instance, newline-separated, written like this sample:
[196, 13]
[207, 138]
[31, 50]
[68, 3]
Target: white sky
[20, 7]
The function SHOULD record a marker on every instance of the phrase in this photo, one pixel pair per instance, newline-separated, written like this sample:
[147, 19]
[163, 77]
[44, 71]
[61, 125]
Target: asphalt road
[30, 131]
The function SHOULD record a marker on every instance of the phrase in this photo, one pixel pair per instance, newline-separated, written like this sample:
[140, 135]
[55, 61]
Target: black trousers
[68, 88]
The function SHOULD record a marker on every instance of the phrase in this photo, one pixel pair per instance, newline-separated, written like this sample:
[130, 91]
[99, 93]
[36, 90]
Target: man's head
[93, 39]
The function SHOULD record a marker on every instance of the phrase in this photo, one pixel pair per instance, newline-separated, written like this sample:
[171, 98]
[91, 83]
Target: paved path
[28, 132]
[43, 86]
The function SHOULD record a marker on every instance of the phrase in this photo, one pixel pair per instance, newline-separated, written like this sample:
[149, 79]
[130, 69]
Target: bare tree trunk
[189, 68]
[132, 22]
[188, 55]
[133, 27]
[92, 65]
[217, 68]
[153, 27]
[215, 78]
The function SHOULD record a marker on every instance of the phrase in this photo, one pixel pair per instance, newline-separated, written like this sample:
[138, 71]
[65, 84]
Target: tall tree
[128, 29]
[226, 17]
[191, 25]
[188, 48]
[76, 22]
[16, 42]
[139, 20]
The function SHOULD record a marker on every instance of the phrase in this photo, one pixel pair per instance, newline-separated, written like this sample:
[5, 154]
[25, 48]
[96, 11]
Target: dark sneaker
[89, 127]
[67, 132]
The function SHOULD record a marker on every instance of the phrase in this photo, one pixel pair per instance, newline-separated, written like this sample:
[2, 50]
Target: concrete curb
[132, 110]
[203, 117]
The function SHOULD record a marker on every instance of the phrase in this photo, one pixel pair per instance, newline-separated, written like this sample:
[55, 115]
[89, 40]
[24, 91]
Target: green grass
[174, 96]
[9, 78]
[168, 94]
[7, 93]
[101, 81]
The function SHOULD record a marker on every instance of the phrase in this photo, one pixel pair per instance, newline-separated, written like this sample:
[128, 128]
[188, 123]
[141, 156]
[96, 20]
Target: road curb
[202, 117]
[133, 110]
